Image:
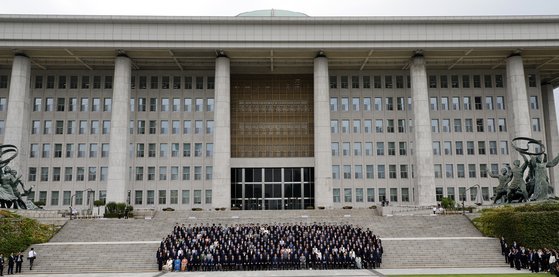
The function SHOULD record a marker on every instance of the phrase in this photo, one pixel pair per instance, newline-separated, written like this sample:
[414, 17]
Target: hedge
[18, 233]
[533, 225]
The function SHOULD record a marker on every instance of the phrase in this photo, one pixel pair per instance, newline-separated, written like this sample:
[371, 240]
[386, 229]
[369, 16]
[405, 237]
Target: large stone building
[273, 109]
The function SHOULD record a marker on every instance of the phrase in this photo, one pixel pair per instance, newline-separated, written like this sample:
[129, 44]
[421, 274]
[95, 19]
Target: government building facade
[273, 109]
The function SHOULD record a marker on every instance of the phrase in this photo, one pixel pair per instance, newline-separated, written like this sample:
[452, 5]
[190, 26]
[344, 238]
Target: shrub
[39, 203]
[373, 207]
[113, 210]
[197, 209]
[347, 207]
[321, 207]
[98, 203]
[18, 232]
[534, 226]
[447, 203]
[168, 209]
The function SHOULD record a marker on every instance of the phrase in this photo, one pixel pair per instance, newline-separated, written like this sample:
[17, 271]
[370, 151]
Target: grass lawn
[478, 275]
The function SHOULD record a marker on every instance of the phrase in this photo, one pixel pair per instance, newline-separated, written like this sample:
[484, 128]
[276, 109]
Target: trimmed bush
[447, 203]
[18, 233]
[118, 210]
[534, 226]
[347, 207]
[197, 209]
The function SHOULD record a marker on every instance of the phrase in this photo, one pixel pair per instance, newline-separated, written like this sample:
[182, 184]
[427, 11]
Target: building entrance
[272, 188]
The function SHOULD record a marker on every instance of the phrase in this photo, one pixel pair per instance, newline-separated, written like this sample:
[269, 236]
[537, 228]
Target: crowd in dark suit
[535, 260]
[269, 247]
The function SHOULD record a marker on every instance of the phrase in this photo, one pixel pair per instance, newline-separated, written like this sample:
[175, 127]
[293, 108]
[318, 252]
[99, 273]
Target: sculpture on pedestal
[10, 195]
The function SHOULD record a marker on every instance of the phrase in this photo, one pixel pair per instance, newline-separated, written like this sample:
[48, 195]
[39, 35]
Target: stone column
[221, 183]
[19, 111]
[551, 133]
[518, 98]
[120, 116]
[322, 136]
[425, 170]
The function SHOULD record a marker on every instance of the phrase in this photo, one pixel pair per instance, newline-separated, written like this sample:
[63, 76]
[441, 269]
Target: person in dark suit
[19, 262]
[159, 258]
[1, 264]
[11, 261]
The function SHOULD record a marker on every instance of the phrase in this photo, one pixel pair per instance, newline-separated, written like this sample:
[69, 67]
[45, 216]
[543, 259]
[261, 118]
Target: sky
[309, 7]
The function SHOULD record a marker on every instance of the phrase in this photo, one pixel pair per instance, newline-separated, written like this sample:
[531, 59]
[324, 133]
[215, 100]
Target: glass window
[336, 195]
[347, 195]
[197, 196]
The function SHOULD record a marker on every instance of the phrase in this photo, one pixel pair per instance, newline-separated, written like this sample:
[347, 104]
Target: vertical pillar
[425, 186]
[322, 136]
[518, 98]
[221, 182]
[19, 111]
[551, 133]
[119, 140]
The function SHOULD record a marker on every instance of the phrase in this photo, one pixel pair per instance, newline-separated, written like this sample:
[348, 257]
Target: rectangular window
[162, 196]
[174, 197]
[138, 197]
[347, 195]
[185, 197]
[150, 197]
[336, 195]
[197, 196]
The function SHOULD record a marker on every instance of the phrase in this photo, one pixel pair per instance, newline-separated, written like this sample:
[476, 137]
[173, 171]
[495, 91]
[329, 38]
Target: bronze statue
[541, 181]
[10, 196]
[502, 188]
[517, 188]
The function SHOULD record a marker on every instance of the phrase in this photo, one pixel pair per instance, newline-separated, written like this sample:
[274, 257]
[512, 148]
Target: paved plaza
[300, 273]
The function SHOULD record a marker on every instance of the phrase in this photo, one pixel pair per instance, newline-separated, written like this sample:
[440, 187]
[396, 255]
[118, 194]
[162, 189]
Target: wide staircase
[129, 245]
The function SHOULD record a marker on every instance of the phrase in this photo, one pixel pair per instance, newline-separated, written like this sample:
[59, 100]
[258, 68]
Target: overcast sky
[310, 7]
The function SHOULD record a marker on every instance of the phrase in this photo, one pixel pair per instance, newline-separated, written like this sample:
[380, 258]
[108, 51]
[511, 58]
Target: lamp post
[465, 196]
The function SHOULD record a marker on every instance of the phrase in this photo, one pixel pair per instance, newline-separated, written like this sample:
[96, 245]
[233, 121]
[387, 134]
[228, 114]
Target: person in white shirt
[32, 255]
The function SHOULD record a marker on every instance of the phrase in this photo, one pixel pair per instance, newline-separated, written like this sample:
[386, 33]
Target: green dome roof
[272, 12]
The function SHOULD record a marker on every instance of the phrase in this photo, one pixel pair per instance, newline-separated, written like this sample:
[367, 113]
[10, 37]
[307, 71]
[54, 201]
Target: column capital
[320, 54]
[515, 53]
[220, 53]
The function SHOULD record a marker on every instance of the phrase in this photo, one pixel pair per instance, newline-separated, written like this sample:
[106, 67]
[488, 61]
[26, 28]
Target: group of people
[17, 261]
[268, 247]
[535, 260]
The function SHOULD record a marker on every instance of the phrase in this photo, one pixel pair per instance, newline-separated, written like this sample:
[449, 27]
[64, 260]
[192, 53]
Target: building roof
[272, 12]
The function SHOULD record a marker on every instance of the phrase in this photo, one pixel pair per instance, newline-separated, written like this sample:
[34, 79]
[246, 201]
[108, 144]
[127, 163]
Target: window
[163, 150]
[436, 148]
[389, 103]
[381, 171]
[447, 147]
[355, 104]
[470, 147]
[162, 196]
[347, 171]
[479, 124]
[390, 125]
[381, 194]
[198, 126]
[400, 103]
[459, 148]
[186, 173]
[345, 104]
[151, 173]
[456, 103]
[162, 173]
[209, 127]
[472, 170]
[534, 103]
[378, 104]
[92, 173]
[444, 81]
[432, 81]
[449, 171]
[434, 125]
[438, 171]
[446, 125]
[47, 130]
[139, 173]
[347, 195]
[197, 173]
[32, 175]
[38, 81]
[392, 171]
[54, 198]
[467, 103]
[483, 170]
[454, 81]
[367, 104]
[334, 146]
[498, 81]
[358, 172]
[393, 194]
[333, 81]
[403, 148]
[358, 195]
[504, 147]
[489, 102]
[502, 124]
[403, 171]
[370, 172]
[366, 82]
[209, 172]
[336, 195]
[150, 197]
[492, 147]
[208, 196]
[378, 125]
[354, 81]
[444, 103]
[532, 80]
[46, 150]
[500, 102]
[491, 125]
[94, 127]
[197, 196]
[138, 197]
[335, 172]
[536, 125]
[153, 104]
[466, 81]
[185, 197]
[487, 81]
[387, 81]
[44, 174]
[84, 104]
[481, 147]
[380, 148]
[345, 126]
[391, 148]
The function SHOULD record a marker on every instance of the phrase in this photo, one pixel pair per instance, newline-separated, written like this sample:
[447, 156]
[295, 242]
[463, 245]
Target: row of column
[19, 107]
